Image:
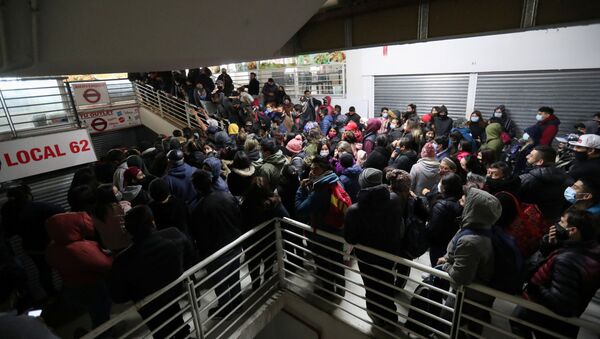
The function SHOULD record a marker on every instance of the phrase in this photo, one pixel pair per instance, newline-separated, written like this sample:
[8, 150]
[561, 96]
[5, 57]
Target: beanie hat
[295, 145]
[175, 156]
[233, 129]
[428, 151]
[370, 177]
[346, 160]
[159, 191]
[131, 173]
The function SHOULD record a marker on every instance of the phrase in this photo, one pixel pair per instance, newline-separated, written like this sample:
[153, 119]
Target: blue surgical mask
[539, 117]
[384, 115]
[475, 119]
[525, 136]
[570, 195]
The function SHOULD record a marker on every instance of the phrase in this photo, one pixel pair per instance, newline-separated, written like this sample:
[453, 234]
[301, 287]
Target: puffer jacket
[375, 221]
[545, 186]
[424, 174]
[349, 179]
[179, 180]
[215, 168]
[568, 279]
[79, 262]
[239, 180]
[404, 161]
[443, 224]
[470, 257]
[271, 167]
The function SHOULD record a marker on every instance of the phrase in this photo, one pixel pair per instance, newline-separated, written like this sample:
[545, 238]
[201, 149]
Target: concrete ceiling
[97, 36]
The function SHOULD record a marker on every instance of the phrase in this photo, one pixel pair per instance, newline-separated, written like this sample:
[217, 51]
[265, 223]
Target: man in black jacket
[375, 222]
[403, 157]
[587, 156]
[253, 85]
[353, 116]
[216, 222]
[227, 81]
[154, 260]
[545, 184]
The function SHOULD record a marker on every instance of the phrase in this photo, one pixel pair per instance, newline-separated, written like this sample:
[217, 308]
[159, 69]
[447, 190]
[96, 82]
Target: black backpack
[415, 242]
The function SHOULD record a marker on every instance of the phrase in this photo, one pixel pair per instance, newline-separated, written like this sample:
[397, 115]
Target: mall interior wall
[563, 48]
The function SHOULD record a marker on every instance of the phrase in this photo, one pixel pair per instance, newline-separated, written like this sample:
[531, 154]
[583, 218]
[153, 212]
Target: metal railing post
[72, 100]
[195, 309]
[187, 108]
[457, 315]
[160, 106]
[279, 245]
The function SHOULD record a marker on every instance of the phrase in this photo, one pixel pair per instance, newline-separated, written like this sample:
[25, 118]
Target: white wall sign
[20, 158]
[90, 93]
[111, 119]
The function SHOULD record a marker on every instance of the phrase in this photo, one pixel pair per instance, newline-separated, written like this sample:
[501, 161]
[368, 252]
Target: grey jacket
[424, 174]
[472, 260]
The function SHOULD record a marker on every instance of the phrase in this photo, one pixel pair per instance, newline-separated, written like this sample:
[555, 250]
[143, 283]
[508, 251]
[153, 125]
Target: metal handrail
[283, 258]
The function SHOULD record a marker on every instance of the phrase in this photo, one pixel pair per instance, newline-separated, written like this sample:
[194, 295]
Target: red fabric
[528, 228]
[549, 129]
[79, 262]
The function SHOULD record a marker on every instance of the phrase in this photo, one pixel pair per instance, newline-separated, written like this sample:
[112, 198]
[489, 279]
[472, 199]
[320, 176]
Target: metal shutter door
[104, 142]
[574, 95]
[425, 91]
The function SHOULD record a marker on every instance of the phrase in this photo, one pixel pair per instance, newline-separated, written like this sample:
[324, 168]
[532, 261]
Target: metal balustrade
[295, 271]
[177, 111]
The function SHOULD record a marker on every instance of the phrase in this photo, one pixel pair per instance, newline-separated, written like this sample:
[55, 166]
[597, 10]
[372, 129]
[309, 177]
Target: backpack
[338, 205]
[505, 137]
[509, 269]
[528, 228]
[414, 243]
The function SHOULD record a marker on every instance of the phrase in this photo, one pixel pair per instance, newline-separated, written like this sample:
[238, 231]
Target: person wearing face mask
[500, 179]
[587, 156]
[477, 127]
[395, 132]
[501, 116]
[545, 184]
[584, 194]
[548, 125]
[404, 156]
[566, 280]
[442, 123]
[411, 113]
[444, 216]
[385, 121]
[494, 141]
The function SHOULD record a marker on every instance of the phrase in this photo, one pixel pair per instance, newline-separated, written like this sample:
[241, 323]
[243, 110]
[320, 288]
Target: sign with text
[111, 119]
[20, 158]
[90, 93]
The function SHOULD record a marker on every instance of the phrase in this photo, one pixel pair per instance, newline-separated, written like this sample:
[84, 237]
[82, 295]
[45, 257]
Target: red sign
[91, 95]
[385, 50]
[99, 124]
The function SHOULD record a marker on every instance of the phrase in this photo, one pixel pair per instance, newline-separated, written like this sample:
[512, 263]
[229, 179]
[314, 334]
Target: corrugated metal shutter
[574, 95]
[104, 142]
[425, 91]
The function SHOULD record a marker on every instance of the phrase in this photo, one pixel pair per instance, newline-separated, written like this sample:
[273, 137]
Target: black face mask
[443, 117]
[581, 156]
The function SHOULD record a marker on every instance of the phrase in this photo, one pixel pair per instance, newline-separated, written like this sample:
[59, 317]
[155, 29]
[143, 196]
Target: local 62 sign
[90, 93]
[20, 158]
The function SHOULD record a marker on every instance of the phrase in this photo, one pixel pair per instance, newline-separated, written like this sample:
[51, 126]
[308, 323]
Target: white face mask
[392, 126]
[384, 115]
[525, 136]
[498, 114]
[324, 153]
[439, 187]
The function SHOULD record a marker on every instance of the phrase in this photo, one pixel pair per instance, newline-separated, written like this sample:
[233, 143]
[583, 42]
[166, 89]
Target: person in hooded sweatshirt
[545, 184]
[242, 172]
[380, 156]
[179, 177]
[370, 138]
[213, 165]
[501, 116]
[425, 173]
[499, 178]
[442, 123]
[272, 162]
[312, 203]
[375, 221]
[349, 176]
[493, 140]
[133, 190]
[328, 115]
[469, 257]
[81, 263]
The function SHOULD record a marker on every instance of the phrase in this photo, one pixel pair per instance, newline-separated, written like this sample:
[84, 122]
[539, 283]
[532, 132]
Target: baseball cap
[587, 140]
[566, 138]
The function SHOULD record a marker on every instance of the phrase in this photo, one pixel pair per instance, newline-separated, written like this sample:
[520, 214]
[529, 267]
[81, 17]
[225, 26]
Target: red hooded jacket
[79, 262]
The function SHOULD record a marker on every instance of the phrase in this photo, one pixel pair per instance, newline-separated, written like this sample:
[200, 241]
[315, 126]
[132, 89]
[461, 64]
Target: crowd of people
[143, 215]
